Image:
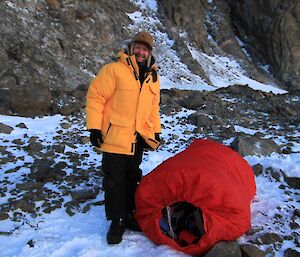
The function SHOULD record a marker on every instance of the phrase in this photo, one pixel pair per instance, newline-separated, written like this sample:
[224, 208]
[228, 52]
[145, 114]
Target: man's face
[141, 52]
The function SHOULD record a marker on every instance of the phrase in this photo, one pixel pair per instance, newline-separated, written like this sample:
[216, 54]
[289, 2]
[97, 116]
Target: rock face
[273, 30]
[50, 49]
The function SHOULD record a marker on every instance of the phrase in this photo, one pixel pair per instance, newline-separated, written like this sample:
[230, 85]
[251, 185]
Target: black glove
[157, 137]
[96, 137]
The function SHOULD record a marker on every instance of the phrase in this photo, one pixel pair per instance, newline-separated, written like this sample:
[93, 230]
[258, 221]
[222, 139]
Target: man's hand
[96, 137]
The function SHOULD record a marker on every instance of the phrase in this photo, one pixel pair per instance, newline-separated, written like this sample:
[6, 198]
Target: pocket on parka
[153, 89]
[120, 132]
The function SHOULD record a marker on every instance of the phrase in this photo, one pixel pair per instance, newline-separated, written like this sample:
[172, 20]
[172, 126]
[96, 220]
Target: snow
[245, 130]
[223, 71]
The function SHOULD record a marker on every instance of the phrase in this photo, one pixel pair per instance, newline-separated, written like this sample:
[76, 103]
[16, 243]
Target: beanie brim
[144, 43]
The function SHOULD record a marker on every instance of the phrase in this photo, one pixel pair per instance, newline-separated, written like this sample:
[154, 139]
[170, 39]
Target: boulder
[225, 249]
[253, 145]
[251, 251]
[85, 194]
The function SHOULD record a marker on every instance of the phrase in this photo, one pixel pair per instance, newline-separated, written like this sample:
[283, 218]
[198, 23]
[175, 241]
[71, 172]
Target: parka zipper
[134, 71]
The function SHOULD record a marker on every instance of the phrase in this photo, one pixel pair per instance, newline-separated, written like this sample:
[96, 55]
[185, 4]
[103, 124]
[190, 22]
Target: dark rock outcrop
[272, 30]
[49, 49]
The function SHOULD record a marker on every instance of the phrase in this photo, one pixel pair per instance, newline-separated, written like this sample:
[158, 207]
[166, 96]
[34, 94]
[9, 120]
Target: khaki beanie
[145, 38]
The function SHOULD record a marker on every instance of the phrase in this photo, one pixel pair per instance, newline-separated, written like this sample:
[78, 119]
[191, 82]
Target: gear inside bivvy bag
[196, 198]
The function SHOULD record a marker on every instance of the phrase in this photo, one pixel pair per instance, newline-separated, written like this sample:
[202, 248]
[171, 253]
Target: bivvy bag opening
[183, 223]
[196, 198]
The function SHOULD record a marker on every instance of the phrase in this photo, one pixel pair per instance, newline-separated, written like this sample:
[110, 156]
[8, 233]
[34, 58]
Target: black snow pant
[121, 177]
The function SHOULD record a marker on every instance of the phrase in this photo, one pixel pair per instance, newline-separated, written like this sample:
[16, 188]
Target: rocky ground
[41, 173]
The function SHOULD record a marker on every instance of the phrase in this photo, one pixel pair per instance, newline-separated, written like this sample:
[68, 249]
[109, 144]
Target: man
[123, 117]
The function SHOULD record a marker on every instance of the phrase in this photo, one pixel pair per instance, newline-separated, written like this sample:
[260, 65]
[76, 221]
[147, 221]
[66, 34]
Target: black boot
[131, 223]
[116, 231]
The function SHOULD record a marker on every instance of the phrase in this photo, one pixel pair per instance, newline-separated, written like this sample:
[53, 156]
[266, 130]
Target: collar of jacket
[130, 60]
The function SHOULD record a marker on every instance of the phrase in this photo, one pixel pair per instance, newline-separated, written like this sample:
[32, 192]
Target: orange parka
[119, 106]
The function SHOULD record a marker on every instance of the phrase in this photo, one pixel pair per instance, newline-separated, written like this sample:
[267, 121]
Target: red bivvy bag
[209, 176]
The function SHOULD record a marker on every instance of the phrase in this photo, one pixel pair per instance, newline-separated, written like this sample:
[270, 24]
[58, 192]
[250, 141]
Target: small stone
[85, 194]
[287, 150]
[254, 230]
[65, 125]
[294, 225]
[293, 182]
[29, 207]
[257, 169]
[21, 125]
[49, 209]
[12, 170]
[5, 129]
[72, 207]
[98, 203]
[85, 140]
[5, 233]
[297, 212]
[174, 137]
[30, 243]
[291, 253]
[86, 208]
[4, 216]
[17, 142]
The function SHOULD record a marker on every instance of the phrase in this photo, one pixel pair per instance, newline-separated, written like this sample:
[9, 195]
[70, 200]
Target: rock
[17, 142]
[65, 125]
[5, 129]
[22, 125]
[297, 213]
[25, 206]
[293, 182]
[72, 207]
[278, 175]
[251, 251]
[294, 225]
[42, 171]
[291, 253]
[85, 194]
[86, 208]
[34, 148]
[254, 230]
[49, 209]
[30, 243]
[59, 148]
[225, 249]
[257, 169]
[85, 140]
[3, 216]
[251, 145]
[29, 185]
[12, 170]
[268, 238]
[273, 28]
